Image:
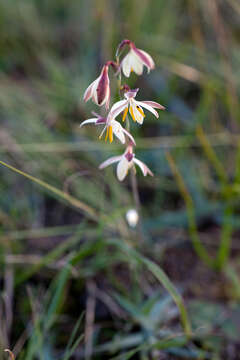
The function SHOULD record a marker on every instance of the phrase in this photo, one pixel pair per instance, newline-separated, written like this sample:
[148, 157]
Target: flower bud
[99, 89]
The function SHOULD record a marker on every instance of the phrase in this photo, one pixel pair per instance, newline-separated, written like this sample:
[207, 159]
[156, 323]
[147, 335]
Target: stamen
[141, 111]
[125, 114]
[107, 132]
[132, 114]
[110, 134]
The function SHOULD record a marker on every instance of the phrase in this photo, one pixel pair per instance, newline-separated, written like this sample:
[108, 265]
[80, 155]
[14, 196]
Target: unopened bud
[132, 217]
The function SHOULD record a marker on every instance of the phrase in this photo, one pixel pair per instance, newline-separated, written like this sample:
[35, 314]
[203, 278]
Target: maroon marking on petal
[125, 88]
[113, 64]
[121, 46]
[131, 144]
[103, 85]
[123, 43]
[142, 56]
[101, 120]
[132, 93]
[129, 156]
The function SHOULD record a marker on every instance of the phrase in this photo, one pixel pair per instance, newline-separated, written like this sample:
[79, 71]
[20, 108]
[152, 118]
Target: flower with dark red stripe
[99, 89]
[135, 60]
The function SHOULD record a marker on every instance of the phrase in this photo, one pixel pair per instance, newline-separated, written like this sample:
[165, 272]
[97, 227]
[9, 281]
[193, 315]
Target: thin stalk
[135, 193]
[227, 230]
[90, 212]
[226, 238]
[136, 197]
[211, 155]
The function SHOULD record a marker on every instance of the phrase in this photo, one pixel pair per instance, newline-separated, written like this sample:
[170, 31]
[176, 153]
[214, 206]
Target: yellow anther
[132, 114]
[110, 134]
[141, 111]
[125, 114]
[107, 131]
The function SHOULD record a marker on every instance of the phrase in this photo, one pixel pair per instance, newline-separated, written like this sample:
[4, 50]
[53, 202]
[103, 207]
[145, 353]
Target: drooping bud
[132, 217]
[99, 89]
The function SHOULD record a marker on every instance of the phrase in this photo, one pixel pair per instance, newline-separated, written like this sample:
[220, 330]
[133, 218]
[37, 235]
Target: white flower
[112, 127]
[135, 60]
[134, 107]
[125, 162]
[99, 89]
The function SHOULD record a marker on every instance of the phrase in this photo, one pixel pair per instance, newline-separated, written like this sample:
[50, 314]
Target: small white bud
[132, 217]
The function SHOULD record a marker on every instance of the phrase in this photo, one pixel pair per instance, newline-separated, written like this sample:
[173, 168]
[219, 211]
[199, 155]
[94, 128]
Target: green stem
[227, 227]
[70, 199]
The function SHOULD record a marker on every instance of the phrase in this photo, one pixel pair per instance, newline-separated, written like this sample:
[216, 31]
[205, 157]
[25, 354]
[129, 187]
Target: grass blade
[163, 279]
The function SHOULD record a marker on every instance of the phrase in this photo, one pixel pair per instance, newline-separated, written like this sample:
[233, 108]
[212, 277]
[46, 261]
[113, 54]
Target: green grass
[77, 282]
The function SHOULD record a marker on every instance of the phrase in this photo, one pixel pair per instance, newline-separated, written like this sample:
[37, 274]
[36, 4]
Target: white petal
[88, 92]
[118, 107]
[136, 65]
[138, 116]
[143, 167]
[94, 91]
[108, 98]
[122, 168]
[118, 131]
[129, 135]
[131, 94]
[110, 161]
[89, 121]
[126, 65]
[154, 104]
[148, 107]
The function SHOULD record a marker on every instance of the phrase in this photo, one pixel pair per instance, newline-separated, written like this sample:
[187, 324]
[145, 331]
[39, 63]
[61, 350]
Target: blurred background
[76, 280]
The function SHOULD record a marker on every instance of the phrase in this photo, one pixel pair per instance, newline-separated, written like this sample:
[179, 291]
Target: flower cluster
[99, 91]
